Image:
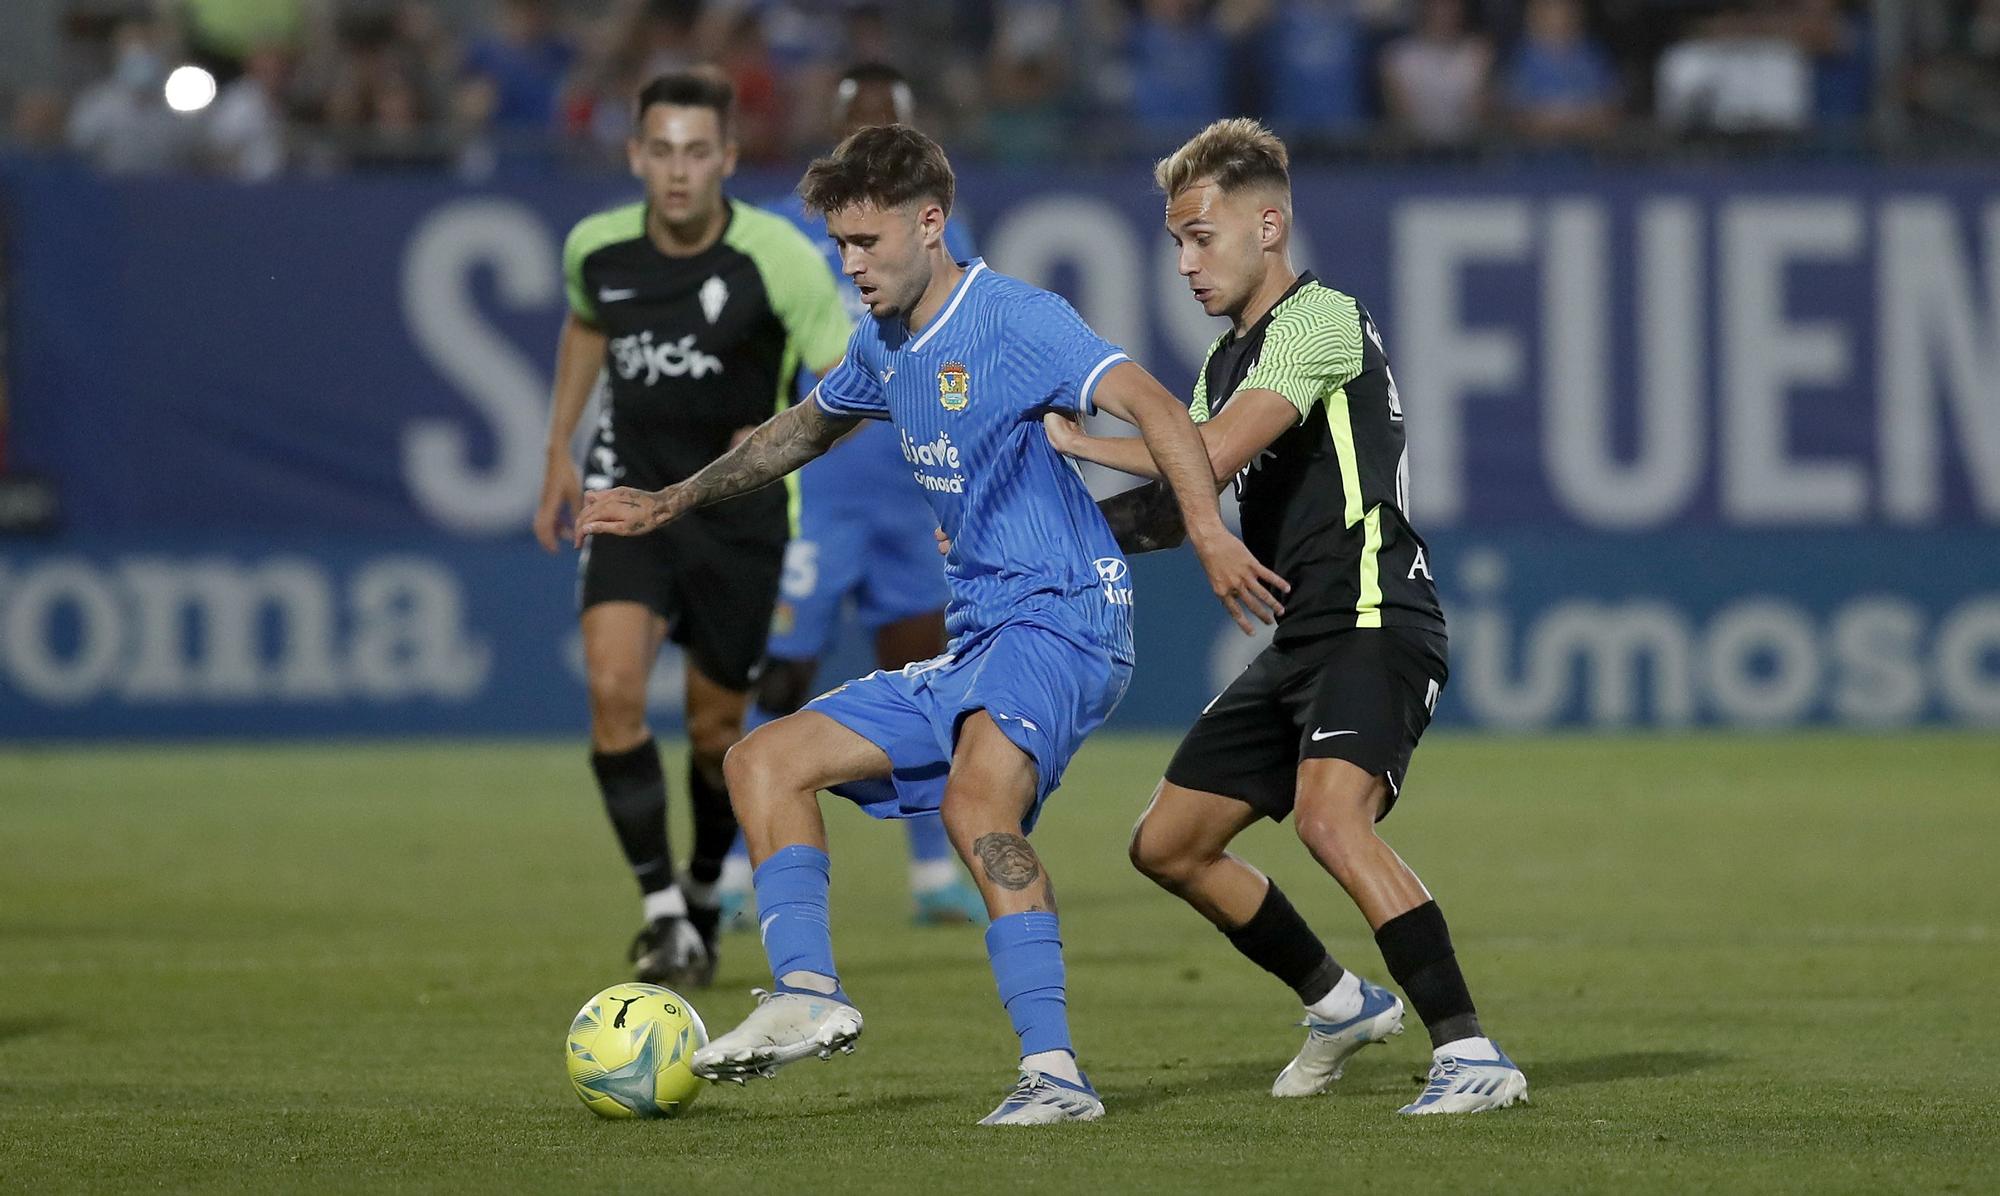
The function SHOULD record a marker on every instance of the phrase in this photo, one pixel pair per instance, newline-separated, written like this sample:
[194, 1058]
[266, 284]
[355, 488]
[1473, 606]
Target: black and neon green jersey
[1324, 504]
[699, 347]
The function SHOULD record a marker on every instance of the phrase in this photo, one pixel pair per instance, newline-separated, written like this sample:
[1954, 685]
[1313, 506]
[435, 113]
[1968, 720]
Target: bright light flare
[190, 89]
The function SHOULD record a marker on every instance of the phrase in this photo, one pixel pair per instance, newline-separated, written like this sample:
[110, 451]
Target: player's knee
[617, 702]
[1157, 858]
[746, 769]
[785, 685]
[1337, 834]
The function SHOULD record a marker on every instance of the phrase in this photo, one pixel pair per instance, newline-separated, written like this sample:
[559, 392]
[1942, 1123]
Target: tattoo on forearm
[1012, 864]
[779, 445]
[1145, 519]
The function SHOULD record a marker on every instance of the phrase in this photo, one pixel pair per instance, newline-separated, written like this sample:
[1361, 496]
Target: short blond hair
[1233, 153]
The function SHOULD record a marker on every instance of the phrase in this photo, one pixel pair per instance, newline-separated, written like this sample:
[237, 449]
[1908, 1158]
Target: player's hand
[944, 542]
[562, 498]
[626, 512]
[1065, 434]
[1240, 581]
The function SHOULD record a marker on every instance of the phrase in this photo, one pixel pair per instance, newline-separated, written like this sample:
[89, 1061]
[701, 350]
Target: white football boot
[1459, 1084]
[1329, 1045]
[784, 1028]
[1042, 1099]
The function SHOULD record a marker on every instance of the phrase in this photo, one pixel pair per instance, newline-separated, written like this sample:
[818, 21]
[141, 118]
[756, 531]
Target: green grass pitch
[1726, 963]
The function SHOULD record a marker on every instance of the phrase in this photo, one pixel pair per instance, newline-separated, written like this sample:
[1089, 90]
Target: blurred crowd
[479, 86]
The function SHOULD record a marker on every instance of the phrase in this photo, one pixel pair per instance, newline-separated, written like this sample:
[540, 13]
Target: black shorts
[716, 593]
[1363, 695]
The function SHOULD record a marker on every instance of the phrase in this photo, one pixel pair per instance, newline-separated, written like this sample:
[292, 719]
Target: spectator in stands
[1435, 80]
[762, 118]
[1739, 71]
[1838, 40]
[1024, 111]
[1177, 58]
[637, 40]
[514, 75]
[1951, 82]
[1314, 59]
[246, 125]
[383, 104]
[122, 125]
[1559, 84]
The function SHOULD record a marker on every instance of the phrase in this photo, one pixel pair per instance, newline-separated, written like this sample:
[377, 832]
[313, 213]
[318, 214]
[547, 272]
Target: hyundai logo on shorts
[1111, 570]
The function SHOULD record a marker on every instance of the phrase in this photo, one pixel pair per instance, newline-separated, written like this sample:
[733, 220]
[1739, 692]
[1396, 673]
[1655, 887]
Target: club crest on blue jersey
[954, 386]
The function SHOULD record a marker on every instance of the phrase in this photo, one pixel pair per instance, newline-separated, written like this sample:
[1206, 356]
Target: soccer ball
[628, 1052]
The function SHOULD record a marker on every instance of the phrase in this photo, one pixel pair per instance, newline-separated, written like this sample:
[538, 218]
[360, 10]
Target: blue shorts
[885, 558]
[1045, 689]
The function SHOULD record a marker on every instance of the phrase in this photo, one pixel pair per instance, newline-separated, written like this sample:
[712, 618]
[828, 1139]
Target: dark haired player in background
[853, 546]
[699, 311]
[1296, 403]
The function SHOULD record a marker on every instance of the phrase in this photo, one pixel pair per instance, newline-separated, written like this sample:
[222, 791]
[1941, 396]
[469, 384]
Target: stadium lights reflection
[190, 89]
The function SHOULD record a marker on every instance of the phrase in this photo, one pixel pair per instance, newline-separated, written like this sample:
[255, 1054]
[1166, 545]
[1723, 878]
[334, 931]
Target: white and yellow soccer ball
[628, 1052]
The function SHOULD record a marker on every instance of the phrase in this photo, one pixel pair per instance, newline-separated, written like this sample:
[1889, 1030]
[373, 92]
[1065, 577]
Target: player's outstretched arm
[1247, 426]
[1126, 454]
[779, 445]
[1243, 584]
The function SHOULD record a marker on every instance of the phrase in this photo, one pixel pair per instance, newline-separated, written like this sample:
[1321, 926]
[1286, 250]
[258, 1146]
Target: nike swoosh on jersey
[1319, 734]
[614, 294]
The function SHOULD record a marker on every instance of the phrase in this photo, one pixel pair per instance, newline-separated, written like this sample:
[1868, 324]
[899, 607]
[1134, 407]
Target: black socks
[635, 795]
[1279, 941]
[1417, 948]
[714, 827]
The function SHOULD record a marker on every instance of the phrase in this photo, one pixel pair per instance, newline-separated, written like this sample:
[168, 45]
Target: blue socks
[1026, 952]
[791, 911]
[1025, 949]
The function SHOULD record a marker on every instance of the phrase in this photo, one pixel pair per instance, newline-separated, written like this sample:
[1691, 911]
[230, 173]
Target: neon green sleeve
[591, 234]
[802, 290]
[1311, 349]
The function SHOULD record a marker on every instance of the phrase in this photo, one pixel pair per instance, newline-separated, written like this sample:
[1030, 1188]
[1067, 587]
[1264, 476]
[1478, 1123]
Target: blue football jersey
[856, 468]
[966, 395]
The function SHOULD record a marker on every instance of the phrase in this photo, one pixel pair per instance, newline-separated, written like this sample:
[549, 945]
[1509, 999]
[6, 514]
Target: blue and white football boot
[1459, 1084]
[1042, 1099]
[1329, 1045]
[784, 1028]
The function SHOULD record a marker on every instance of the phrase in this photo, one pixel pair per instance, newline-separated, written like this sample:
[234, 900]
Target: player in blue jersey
[964, 362]
[853, 546]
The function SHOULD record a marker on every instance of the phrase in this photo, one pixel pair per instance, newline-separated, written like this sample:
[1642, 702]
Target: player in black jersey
[697, 311]
[1299, 410]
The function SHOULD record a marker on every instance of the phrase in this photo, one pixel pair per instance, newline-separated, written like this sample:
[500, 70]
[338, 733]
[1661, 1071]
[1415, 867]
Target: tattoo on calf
[1008, 860]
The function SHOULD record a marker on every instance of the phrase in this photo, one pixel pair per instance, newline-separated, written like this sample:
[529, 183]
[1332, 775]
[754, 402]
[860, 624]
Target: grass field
[1727, 964]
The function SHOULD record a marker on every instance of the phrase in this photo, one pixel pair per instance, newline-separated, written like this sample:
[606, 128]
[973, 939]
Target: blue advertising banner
[1693, 447]
[267, 635]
